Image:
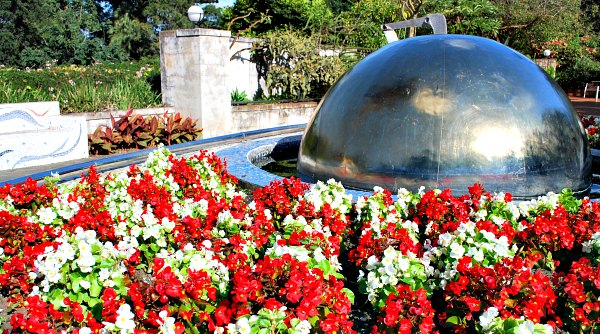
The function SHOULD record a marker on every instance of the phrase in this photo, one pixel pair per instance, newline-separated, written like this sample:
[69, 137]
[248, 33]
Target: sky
[225, 3]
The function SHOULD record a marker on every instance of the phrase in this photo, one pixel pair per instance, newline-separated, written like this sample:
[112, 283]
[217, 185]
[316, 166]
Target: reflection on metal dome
[447, 111]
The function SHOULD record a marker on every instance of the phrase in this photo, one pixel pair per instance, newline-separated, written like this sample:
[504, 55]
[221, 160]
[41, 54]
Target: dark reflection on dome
[447, 111]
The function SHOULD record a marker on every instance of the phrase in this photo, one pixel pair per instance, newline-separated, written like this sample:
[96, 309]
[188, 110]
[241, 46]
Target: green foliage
[576, 74]
[468, 17]
[119, 95]
[291, 65]
[284, 14]
[84, 89]
[526, 23]
[214, 18]
[360, 27]
[135, 132]
[591, 14]
[33, 33]
[237, 96]
[135, 38]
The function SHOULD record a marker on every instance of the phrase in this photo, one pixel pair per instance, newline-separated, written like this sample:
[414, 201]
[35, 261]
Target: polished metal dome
[447, 111]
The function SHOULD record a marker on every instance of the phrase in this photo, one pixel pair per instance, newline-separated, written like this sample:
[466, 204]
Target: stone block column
[194, 73]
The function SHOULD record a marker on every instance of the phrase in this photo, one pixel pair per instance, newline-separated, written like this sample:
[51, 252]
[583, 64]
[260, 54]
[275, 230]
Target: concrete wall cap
[202, 32]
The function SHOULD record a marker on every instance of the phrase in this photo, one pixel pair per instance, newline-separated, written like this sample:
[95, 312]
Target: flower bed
[174, 246]
[592, 130]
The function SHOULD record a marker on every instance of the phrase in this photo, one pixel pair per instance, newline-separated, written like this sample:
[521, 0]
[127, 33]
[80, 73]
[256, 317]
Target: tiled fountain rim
[243, 161]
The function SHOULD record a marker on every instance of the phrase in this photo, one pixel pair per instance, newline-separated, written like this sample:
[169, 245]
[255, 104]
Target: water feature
[447, 111]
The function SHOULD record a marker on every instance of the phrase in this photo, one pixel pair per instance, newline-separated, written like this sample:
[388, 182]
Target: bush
[85, 88]
[576, 74]
[136, 132]
[292, 66]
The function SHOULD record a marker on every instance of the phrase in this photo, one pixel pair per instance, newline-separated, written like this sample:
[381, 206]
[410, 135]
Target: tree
[468, 17]
[533, 22]
[34, 33]
[591, 15]
[340, 6]
[292, 67]
[136, 39]
[166, 15]
[214, 17]
[302, 15]
[361, 26]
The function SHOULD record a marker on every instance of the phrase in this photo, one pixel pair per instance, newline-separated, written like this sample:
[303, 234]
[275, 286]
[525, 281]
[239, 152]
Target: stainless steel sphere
[447, 111]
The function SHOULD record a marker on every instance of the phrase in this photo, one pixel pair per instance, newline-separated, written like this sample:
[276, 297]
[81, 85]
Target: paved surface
[586, 106]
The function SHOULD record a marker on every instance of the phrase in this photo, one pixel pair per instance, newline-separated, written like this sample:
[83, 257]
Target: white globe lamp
[195, 13]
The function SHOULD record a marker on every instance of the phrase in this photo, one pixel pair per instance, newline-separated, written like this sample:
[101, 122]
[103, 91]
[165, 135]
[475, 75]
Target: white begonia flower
[125, 319]
[85, 330]
[74, 206]
[84, 247]
[403, 263]
[86, 261]
[46, 215]
[390, 252]
[104, 274]
[526, 327]
[65, 252]
[481, 215]
[444, 239]
[167, 224]
[135, 231]
[90, 236]
[303, 327]
[389, 271]
[488, 235]
[501, 250]
[487, 317]
[318, 254]
[198, 262]
[151, 232]
[85, 284]
[167, 324]
[456, 251]
[372, 262]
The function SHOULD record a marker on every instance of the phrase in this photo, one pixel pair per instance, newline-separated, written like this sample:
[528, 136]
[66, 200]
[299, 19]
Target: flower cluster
[479, 261]
[174, 246]
[592, 130]
[171, 246]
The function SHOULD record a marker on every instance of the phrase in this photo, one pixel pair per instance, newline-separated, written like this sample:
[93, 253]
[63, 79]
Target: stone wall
[195, 76]
[243, 74]
[249, 117]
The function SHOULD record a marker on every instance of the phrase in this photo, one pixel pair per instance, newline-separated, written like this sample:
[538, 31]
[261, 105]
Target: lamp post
[547, 53]
[195, 13]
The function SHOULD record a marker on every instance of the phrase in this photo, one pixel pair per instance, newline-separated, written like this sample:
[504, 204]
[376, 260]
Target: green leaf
[263, 323]
[97, 311]
[75, 285]
[95, 289]
[510, 323]
[350, 294]
[453, 320]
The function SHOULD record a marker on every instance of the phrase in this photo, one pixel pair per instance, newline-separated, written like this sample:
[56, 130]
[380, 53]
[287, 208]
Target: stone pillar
[194, 74]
